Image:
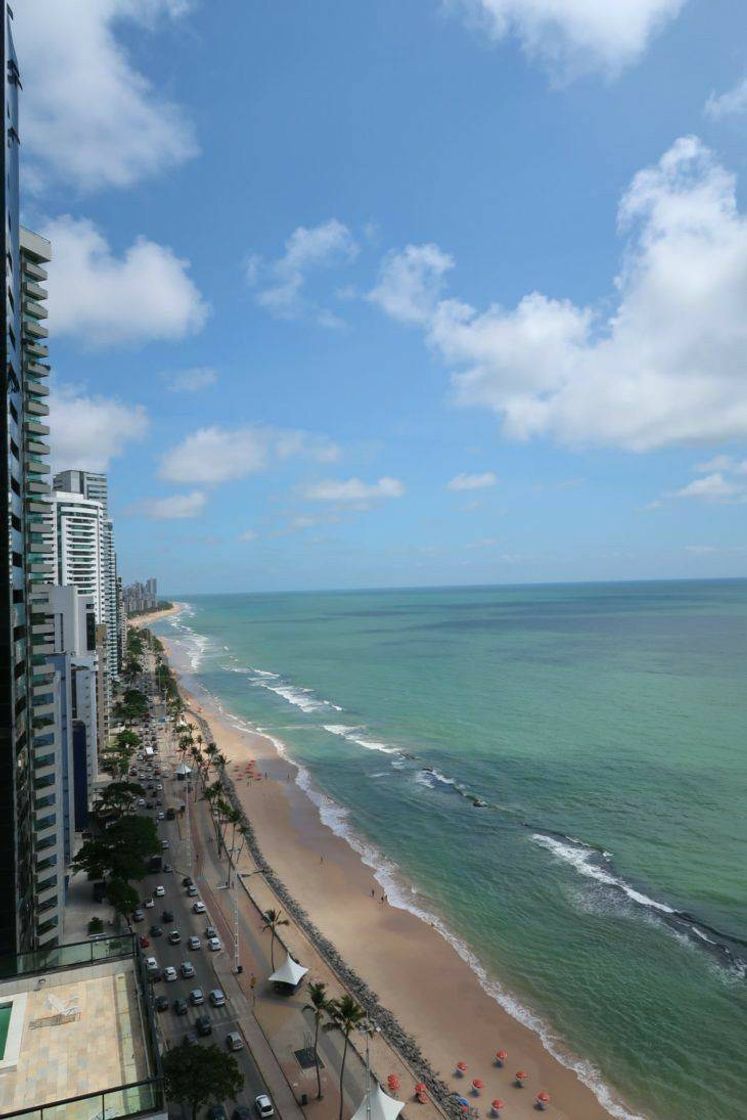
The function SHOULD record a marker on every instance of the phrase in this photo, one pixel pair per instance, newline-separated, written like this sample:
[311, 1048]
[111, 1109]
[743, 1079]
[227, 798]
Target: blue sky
[449, 291]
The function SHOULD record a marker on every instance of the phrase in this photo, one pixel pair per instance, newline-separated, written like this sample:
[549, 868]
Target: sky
[396, 294]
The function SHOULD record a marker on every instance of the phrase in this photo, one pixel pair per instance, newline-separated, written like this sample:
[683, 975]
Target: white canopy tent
[376, 1105]
[290, 972]
[183, 771]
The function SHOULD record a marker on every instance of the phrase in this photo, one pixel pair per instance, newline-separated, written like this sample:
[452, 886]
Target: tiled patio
[78, 1037]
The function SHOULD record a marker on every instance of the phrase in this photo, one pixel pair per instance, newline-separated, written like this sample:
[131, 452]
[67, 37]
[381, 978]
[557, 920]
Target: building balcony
[34, 309]
[32, 290]
[33, 270]
[33, 329]
[37, 408]
[36, 349]
[36, 486]
[33, 427]
[36, 388]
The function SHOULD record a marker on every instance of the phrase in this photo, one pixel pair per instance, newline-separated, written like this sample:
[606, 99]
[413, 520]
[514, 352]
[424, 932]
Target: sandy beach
[139, 620]
[418, 975]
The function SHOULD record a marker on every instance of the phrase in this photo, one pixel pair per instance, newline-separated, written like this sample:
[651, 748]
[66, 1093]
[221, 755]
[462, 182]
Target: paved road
[173, 1027]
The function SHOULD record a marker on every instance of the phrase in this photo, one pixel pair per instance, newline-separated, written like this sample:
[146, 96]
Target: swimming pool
[5, 1010]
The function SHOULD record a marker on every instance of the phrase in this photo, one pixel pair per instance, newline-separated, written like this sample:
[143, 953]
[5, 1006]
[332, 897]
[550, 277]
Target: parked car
[143, 942]
[181, 1006]
[156, 931]
[217, 997]
[149, 904]
[174, 937]
[192, 891]
[198, 907]
[168, 868]
[241, 1112]
[167, 916]
[161, 1003]
[196, 997]
[160, 891]
[214, 944]
[217, 1112]
[186, 881]
[194, 943]
[151, 964]
[165, 844]
[263, 1106]
[187, 969]
[169, 973]
[211, 931]
[203, 1025]
[234, 1041]
[138, 916]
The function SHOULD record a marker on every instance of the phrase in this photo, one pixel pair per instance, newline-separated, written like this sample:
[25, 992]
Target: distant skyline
[452, 292]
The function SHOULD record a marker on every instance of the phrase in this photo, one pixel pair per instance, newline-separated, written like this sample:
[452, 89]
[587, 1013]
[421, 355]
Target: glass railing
[67, 956]
[127, 1100]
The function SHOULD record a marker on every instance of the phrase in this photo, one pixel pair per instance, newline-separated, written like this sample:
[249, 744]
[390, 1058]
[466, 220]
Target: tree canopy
[194, 1075]
[121, 851]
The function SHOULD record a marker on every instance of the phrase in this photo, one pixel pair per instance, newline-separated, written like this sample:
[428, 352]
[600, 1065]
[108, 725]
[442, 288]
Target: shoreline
[138, 620]
[429, 980]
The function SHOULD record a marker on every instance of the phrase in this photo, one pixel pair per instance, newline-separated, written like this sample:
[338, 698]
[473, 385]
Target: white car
[164, 845]
[217, 997]
[160, 891]
[187, 969]
[214, 944]
[234, 1041]
[151, 964]
[196, 997]
[194, 943]
[149, 904]
[198, 907]
[141, 802]
[263, 1106]
[169, 973]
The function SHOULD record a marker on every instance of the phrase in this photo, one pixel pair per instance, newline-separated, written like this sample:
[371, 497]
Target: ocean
[556, 774]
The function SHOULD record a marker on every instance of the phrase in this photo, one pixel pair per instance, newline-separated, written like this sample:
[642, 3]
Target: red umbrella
[462, 1067]
[497, 1105]
[501, 1055]
[420, 1087]
[521, 1076]
[543, 1097]
[478, 1084]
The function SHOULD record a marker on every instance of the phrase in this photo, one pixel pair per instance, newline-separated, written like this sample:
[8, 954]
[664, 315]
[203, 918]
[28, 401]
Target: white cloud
[354, 490]
[104, 300]
[472, 481]
[248, 535]
[215, 454]
[666, 367]
[410, 282]
[700, 549]
[723, 463]
[190, 380]
[174, 508]
[573, 37]
[91, 119]
[733, 103]
[713, 487]
[87, 432]
[307, 249]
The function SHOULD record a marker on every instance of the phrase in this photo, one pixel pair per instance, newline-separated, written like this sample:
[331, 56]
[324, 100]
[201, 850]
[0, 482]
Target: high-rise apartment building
[16, 783]
[94, 486]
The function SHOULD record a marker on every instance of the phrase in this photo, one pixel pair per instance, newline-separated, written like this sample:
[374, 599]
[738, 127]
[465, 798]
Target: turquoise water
[601, 889]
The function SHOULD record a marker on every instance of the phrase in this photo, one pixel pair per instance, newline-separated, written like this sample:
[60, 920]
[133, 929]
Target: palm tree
[221, 761]
[320, 1005]
[274, 919]
[233, 817]
[345, 1016]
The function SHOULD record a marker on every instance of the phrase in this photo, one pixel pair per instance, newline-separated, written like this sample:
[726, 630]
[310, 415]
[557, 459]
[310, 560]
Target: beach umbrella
[543, 1099]
[501, 1056]
[477, 1085]
[461, 1068]
[497, 1105]
[520, 1077]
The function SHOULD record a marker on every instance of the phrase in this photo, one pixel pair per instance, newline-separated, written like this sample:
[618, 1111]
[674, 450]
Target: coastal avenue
[264, 1059]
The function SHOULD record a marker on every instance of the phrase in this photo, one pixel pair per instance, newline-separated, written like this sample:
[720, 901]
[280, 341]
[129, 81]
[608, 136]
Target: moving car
[169, 973]
[160, 891]
[194, 943]
[214, 944]
[234, 1041]
[156, 931]
[263, 1106]
[161, 1003]
[187, 969]
[192, 891]
[203, 1025]
[186, 881]
[198, 907]
[167, 916]
[165, 844]
[211, 931]
[217, 998]
[196, 997]
[181, 1007]
[174, 937]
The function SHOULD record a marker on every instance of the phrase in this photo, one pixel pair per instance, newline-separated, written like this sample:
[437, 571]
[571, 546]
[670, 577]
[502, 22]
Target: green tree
[117, 798]
[319, 1004]
[194, 1075]
[345, 1016]
[123, 898]
[121, 851]
[273, 920]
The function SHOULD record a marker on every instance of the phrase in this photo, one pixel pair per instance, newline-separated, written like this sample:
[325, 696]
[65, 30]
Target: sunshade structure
[376, 1105]
[290, 974]
[183, 771]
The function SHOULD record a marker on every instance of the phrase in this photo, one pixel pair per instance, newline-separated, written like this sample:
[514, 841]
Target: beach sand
[139, 620]
[418, 975]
